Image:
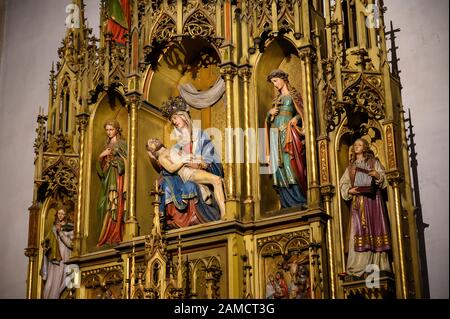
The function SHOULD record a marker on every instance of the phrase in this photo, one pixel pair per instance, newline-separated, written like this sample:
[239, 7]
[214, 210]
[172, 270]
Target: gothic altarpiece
[336, 61]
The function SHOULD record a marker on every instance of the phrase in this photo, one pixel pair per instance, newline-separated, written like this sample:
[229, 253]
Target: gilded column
[228, 71]
[244, 25]
[234, 260]
[274, 12]
[307, 56]
[306, 23]
[360, 24]
[32, 251]
[297, 20]
[179, 17]
[327, 191]
[219, 32]
[82, 121]
[246, 73]
[127, 276]
[131, 225]
[395, 178]
[321, 81]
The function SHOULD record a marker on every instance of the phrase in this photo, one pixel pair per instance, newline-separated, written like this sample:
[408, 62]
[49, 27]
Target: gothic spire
[393, 50]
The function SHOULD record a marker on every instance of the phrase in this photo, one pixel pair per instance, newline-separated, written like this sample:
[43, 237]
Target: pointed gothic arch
[199, 279]
[197, 24]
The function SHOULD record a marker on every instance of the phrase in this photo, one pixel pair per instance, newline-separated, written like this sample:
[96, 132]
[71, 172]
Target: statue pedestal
[366, 288]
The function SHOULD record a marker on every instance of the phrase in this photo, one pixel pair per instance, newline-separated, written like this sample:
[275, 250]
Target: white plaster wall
[33, 33]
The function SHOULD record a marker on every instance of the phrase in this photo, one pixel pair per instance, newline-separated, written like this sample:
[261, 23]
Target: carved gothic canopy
[60, 178]
[362, 101]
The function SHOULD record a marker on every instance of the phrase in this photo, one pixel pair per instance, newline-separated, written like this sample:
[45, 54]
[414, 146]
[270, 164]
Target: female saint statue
[111, 170]
[285, 137]
[369, 240]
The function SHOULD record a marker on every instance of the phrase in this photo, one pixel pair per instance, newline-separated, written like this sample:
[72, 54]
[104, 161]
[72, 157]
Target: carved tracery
[60, 177]
[361, 96]
[197, 25]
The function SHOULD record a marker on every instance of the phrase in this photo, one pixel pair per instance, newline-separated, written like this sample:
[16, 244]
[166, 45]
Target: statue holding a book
[369, 236]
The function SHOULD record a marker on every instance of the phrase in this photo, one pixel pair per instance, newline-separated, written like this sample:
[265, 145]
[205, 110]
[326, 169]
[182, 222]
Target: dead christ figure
[180, 165]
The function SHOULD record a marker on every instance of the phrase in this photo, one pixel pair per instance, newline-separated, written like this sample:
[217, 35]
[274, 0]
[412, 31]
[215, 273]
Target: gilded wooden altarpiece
[337, 62]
